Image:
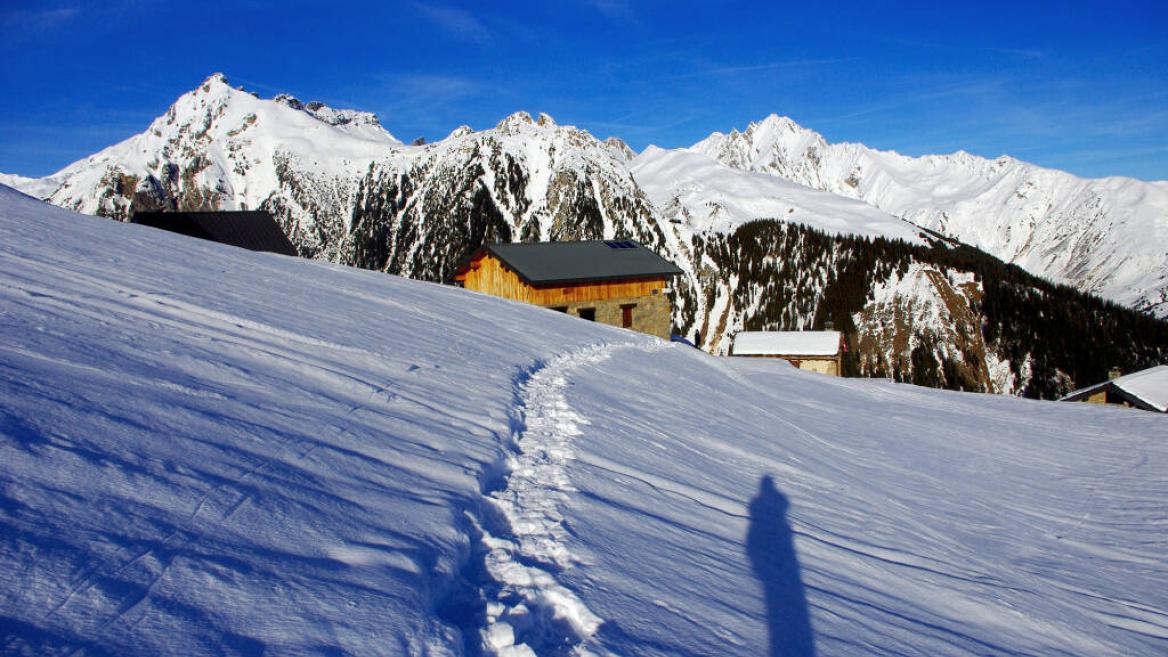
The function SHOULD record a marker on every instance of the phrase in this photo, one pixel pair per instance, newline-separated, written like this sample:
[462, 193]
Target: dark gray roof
[544, 263]
[253, 230]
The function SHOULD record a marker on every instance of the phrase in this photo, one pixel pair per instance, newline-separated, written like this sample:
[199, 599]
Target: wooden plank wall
[489, 275]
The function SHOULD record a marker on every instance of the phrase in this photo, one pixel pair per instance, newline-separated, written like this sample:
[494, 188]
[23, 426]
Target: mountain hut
[815, 351]
[616, 282]
[1146, 389]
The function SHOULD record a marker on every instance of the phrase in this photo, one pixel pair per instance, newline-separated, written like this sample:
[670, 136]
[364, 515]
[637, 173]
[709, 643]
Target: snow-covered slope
[210, 451]
[38, 187]
[709, 196]
[218, 147]
[1107, 236]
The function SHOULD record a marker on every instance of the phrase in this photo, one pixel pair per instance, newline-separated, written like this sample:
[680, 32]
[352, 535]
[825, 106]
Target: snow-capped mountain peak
[346, 190]
[620, 149]
[514, 121]
[1105, 236]
[460, 131]
[524, 179]
[218, 147]
[334, 117]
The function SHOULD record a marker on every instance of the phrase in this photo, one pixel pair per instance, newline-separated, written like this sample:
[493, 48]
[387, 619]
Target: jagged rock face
[1104, 236]
[921, 325]
[620, 149]
[530, 180]
[419, 221]
[941, 316]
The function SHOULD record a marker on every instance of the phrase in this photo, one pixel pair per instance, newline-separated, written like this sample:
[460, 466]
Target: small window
[627, 314]
[560, 309]
[588, 314]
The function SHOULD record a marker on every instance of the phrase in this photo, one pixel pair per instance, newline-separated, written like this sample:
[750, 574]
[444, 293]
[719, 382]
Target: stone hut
[816, 351]
[616, 282]
[1146, 389]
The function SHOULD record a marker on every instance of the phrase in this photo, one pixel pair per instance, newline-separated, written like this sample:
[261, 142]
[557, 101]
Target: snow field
[207, 451]
[720, 198]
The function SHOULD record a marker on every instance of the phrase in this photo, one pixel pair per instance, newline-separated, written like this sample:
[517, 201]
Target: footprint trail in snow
[532, 613]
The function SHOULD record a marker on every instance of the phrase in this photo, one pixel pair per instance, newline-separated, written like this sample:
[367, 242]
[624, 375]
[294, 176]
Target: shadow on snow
[771, 548]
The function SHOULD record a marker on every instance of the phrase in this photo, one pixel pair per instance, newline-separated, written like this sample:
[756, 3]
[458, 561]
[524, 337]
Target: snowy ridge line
[528, 612]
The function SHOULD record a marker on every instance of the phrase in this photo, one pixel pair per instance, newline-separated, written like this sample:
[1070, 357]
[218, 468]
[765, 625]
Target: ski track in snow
[528, 612]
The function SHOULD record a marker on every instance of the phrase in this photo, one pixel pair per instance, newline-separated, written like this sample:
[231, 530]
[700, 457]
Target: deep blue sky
[1073, 85]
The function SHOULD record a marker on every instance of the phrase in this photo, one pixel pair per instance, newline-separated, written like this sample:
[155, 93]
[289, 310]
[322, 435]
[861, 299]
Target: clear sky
[1080, 86]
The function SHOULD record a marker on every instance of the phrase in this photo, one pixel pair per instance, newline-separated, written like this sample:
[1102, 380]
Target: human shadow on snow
[771, 549]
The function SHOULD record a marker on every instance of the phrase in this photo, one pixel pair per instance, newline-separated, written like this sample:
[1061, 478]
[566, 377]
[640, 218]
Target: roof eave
[796, 356]
[1110, 386]
[593, 279]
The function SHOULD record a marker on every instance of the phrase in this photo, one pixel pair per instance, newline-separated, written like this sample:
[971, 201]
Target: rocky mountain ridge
[347, 191]
[1106, 236]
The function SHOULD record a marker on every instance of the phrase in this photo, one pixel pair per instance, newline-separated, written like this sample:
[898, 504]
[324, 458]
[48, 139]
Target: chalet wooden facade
[616, 282]
[815, 351]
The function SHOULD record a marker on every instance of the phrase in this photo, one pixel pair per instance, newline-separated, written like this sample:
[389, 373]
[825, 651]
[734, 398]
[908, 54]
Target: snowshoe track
[528, 612]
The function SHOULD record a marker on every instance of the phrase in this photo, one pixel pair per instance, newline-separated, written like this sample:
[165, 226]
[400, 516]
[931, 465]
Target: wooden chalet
[815, 351]
[1146, 389]
[254, 230]
[616, 282]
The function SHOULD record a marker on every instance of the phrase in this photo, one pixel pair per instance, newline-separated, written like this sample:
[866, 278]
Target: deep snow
[210, 451]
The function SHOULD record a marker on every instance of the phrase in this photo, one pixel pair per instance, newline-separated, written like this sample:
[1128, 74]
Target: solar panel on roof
[620, 244]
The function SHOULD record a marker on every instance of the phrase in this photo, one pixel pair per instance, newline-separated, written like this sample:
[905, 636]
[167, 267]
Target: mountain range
[1107, 236]
[773, 226]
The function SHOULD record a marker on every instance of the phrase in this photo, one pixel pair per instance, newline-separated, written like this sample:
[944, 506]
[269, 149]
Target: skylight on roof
[622, 244]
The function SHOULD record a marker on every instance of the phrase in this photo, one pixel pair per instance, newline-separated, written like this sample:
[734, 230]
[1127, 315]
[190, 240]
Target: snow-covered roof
[1149, 386]
[786, 343]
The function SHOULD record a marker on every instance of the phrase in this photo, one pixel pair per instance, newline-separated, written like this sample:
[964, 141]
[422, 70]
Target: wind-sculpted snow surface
[209, 451]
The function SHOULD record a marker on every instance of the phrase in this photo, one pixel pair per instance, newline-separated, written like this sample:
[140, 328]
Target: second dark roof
[254, 230]
[544, 263]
